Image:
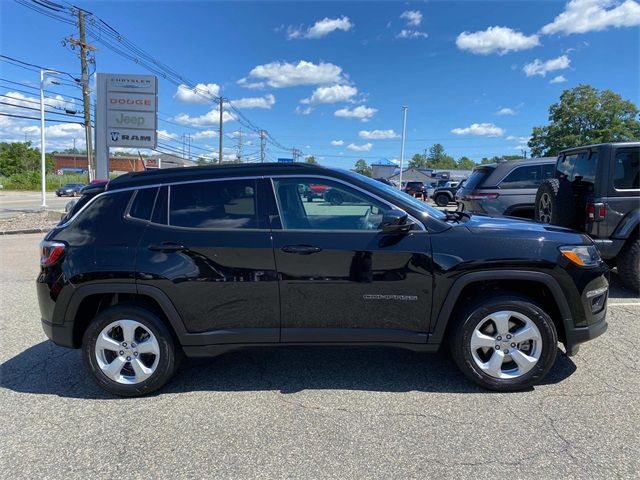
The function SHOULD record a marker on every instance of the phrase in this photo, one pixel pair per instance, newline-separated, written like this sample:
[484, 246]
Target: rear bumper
[59, 333]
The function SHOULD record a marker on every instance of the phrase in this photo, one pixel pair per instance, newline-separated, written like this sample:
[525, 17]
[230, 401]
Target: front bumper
[580, 335]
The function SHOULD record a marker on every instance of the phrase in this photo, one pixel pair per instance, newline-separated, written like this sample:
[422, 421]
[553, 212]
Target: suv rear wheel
[505, 344]
[554, 204]
[442, 200]
[628, 263]
[129, 351]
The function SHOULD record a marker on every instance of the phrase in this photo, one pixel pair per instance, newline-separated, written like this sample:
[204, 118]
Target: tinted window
[160, 207]
[143, 203]
[626, 169]
[547, 170]
[223, 204]
[478, 176]
[585, 167]
[523, 177]
[340, 208]
[99, 217]
[565, 165]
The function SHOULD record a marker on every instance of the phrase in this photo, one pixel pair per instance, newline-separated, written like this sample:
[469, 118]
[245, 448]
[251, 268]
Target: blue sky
[476, 76]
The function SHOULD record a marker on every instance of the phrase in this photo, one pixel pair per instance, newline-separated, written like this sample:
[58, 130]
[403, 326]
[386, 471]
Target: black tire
[335, 199]
[561, 207]
[460, 342]
[167, 363]
[442, 200]
[628, 263]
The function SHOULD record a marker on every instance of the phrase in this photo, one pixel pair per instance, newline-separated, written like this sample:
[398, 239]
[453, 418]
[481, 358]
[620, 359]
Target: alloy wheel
[545, 208]
[506, 344]
[127, 352]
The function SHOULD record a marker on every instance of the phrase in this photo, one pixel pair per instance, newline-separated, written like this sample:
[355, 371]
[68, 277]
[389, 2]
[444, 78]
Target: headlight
[581, 255]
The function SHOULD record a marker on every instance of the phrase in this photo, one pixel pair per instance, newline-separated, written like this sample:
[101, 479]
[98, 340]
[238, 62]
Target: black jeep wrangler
[596, 189]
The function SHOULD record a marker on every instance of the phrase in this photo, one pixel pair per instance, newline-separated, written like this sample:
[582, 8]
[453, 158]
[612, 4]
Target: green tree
[362, 168]
[465, 163]
[418, 161]
[202, 161]
[583, 116]
[19, 157]
[311, 160]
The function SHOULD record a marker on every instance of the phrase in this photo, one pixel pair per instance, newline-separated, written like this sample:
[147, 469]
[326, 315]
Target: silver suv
[506, 188]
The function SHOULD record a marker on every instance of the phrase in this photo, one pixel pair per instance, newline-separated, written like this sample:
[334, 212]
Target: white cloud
[243, 82]
[321, 28]
[254, 102]
[506, 111]
[337, 143]
[581, 16]
[167, 134]
[303, 111]
[365, 147]
[538, 67]
[412, 17]
[204, 134]
[17, 100]
[333, 94]
[558, 79]
[518, 139]
[284, 74]
[408, 33]
[377, 134]
[202, 93]
[361, 113]
[212, 117]
[480, 130]
[496, 39]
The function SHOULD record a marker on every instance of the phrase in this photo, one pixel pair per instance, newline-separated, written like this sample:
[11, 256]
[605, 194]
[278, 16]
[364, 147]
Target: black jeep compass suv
[199, 261]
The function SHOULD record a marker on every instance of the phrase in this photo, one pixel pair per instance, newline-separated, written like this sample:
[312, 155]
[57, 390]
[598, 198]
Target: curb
[25, 231]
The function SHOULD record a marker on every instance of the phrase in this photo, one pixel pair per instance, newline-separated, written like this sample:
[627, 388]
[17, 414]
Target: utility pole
[220, 133]
[183, 137]
[262, 139]
[404, 128]
[239, 147]
[189, 144]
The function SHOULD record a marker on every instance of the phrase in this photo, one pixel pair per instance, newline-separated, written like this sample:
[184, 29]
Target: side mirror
[395, 221]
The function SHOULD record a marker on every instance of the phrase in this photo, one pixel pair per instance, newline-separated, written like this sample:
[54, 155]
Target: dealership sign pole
[126, 115]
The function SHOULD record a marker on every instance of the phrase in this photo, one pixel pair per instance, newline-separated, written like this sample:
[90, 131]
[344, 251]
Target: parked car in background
[200, 261]
[315, 191]
[414, 188]
[596, 189]
[70, 190]
[87, 193]
[385, 181]
[505, 188]
[446, 194]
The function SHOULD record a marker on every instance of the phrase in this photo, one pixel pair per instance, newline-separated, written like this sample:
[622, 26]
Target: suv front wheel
[129, 351]
[505, 344]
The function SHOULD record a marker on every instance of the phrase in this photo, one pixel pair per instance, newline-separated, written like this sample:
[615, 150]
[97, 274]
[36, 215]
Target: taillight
[479, 196]
[50, 252]
[596, 212]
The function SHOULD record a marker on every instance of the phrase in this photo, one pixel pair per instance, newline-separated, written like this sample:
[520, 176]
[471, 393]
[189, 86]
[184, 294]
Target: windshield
[401, 196]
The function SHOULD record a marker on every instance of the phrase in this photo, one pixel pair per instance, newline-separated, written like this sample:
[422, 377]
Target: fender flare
[156, 294]
[444, 316]
[626, 226]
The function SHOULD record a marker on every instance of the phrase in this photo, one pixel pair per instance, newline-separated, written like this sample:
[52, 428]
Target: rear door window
[547, 170]
[565, 165]
[523, 177]
[226, 204]
[626, 169]
[143, 203]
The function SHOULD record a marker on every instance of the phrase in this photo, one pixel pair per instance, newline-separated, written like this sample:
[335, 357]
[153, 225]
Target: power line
[24, 107]
[26, 85]
[36, 68]
[37, 118]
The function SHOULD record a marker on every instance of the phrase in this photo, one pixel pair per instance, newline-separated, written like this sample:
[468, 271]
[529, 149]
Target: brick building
[121, 163]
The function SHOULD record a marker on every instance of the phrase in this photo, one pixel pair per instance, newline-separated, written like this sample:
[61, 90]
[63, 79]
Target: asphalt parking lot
[311, 413]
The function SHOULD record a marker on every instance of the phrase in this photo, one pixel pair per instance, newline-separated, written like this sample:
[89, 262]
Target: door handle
[167, 247]
[301, 249]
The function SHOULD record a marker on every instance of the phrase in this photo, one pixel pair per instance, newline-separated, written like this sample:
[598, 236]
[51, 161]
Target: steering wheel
[366, 224]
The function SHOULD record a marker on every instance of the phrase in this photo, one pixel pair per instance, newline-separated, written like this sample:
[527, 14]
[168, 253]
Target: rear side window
[523, 177]
[99, 218]
[143, 204]
[565, 165]
[585, 167]
[477, 178]
[226, 204]
[547, 170]
[627, 169]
